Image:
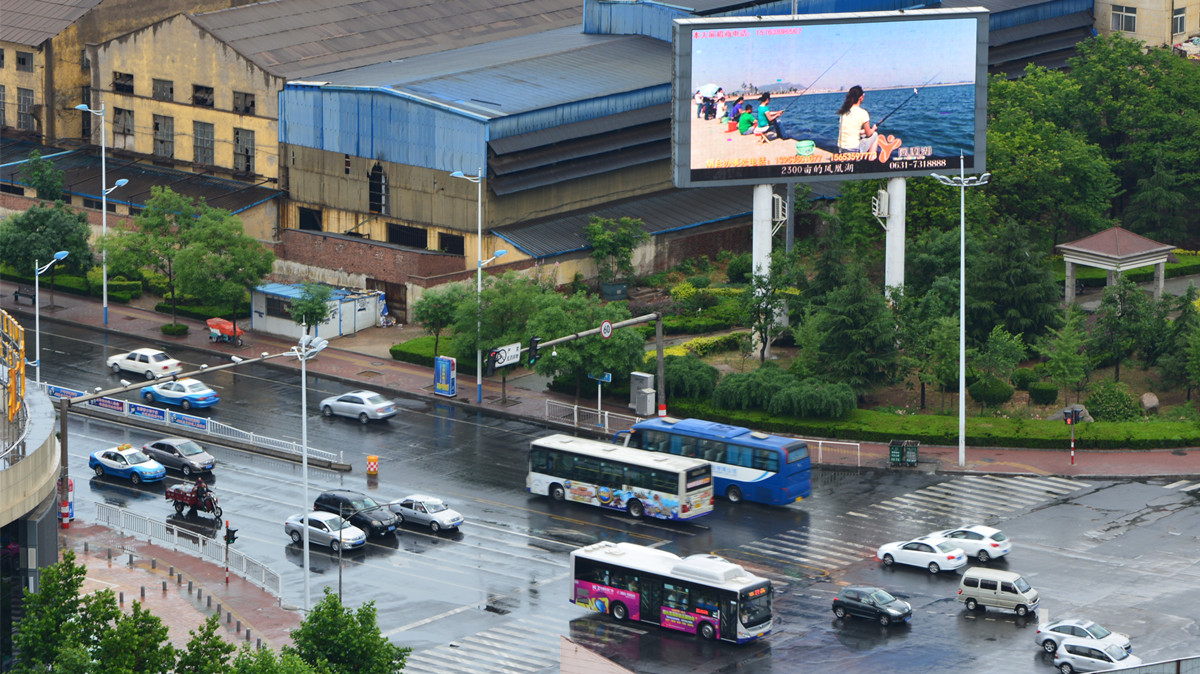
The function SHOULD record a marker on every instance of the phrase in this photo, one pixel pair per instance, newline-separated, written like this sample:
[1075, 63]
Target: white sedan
[1049, 636]
[982, 543]
[150, 363]
[932, 552]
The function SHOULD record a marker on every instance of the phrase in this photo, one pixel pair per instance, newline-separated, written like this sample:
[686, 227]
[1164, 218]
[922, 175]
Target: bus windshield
[756, 605]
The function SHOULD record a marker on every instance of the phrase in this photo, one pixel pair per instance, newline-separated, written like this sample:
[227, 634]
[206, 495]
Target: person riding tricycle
[222, 330]
[194, 495]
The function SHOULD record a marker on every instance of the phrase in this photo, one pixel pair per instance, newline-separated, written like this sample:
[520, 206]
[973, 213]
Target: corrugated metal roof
[299, 39]
[663, 212]
[32, 22]
[81, 175]
[521, 74]
[296, 290]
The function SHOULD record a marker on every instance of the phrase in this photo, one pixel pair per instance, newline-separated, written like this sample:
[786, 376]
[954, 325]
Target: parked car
[181, 454]
[1087, 655]
[982, 543]
[149, 363]
[188, 393]
[932, 552]
[363, 511]
[1050, 635]
[872, 603]
[363, 405]
[128, 462]
[428, 510]
[325, 529]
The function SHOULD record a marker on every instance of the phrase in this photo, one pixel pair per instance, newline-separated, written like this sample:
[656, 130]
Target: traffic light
[491, 361]
[230, 533]
[533, 349]
[1071, 416]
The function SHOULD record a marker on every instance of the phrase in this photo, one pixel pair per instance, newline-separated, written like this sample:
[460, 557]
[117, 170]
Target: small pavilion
[1117, 250]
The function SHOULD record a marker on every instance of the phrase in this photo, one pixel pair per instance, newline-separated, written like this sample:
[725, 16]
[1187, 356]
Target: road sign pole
[1072, 444]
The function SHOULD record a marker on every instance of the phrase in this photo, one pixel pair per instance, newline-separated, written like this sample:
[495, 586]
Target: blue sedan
[187, 393]
[128, 462]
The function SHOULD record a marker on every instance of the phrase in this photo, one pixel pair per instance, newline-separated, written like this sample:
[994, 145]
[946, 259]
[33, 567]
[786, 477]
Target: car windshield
[1115, 652]
[190, 448]
[1097, 631]
[1022, 584]
[881, 597]
[435, 506]
[364, 503]
[946, 546]
[159, 357]
[337, 524]
[376, 399]
[196, 387]
[136, 457]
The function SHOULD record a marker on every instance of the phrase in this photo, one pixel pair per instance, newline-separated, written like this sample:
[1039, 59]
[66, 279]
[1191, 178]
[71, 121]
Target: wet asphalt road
[494, 596]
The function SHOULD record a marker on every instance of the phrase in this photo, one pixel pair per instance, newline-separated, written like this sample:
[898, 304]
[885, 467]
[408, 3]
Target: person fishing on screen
[855, 131]
[767, 119]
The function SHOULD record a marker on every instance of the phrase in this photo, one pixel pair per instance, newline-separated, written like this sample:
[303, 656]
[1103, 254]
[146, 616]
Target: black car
[363, 511]
[873, 603]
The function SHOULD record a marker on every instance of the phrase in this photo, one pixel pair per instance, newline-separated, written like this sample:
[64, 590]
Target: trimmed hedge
[201, 312]
[1043, 393]
[419, 351]
[1022, 377]
[175, 329]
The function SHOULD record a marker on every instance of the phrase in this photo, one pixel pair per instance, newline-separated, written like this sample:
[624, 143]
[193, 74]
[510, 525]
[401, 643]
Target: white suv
[1086, 655]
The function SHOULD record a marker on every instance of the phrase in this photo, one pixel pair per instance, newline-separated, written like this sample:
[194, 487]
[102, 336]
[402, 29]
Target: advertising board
[828, 96]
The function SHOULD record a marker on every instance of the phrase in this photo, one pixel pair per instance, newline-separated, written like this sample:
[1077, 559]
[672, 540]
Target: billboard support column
[760, 246]
[893, 267]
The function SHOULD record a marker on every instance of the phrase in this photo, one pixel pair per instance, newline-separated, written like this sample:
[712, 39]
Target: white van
[981, 586]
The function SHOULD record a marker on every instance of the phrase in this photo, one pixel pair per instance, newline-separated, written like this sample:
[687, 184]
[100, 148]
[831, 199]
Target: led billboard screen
[829, 96]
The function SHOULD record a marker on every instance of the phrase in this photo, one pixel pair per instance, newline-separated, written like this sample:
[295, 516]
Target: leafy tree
[34, 236]
[138, 643]
[1001, 355]
[266, 661]
[1009, 284]
[916, 318]
[1066, 363]
[807, 337]
[858, 345]
[1160, 207]
[312, 307]
[1120, 321]
[207, 652]
[612, 243]
[1155, 339]
[221, 263]
[1110, 401]
[944, 354]
[436, 309]
[558, 316]
[761, 306]
[813, 398]
[340, 640]
[751, 390]
[1193, 357]
[43, 176]
[1173, 361]
[689, 377]
[160, 232]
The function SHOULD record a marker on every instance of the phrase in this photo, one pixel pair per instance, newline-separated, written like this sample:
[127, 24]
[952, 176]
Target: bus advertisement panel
[699, 594]
[822, 97]
[620, 478]
[746, 464]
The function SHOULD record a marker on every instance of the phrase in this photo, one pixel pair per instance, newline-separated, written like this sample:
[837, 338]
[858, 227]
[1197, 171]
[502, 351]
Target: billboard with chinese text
[829, 96]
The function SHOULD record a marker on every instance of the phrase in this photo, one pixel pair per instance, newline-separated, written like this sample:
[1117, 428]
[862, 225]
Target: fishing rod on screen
[814, 82]
[910, 97]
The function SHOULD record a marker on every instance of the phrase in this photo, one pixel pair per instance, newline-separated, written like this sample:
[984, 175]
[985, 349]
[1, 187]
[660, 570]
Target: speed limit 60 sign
[606, 329]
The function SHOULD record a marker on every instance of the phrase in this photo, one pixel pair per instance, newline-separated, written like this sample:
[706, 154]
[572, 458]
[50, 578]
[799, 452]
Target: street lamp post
[104, 190]
[306, 350]
[37, 308]
[478, 180]
[962, 182]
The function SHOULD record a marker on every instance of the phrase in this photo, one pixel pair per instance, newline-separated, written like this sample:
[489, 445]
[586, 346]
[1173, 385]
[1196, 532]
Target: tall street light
[306, 350]
[962, 182]
[478, 180]
[104, 190]
[37, 307]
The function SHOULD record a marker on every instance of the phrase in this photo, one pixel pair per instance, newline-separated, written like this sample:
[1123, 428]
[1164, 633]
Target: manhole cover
[369, 373]
[129, 318]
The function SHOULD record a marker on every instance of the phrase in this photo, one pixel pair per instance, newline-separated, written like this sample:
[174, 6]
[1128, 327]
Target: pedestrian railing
[188, 422]
[582, 417]
[184, 540]
[832, 451]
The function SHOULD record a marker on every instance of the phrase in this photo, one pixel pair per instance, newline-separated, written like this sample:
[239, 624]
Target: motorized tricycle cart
[194, 495]
[222, 330]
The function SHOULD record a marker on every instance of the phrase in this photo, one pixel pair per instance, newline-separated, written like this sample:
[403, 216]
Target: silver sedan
[428, 510]
[326, 529]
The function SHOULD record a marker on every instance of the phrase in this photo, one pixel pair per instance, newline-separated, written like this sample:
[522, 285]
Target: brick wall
[376, 260]
[673, 248]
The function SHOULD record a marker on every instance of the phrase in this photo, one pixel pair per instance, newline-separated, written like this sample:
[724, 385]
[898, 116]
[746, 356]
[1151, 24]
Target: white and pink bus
[698, 594]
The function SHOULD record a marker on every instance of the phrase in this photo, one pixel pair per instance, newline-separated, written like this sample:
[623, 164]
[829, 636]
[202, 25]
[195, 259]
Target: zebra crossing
[527, 645]
[834, 543]
[1186, 486]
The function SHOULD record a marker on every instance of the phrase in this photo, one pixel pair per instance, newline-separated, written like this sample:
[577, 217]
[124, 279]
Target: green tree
[558, 316]
[689, 377]
[43, 176]
[34, 236]
[1066, 363]
[944, 355]
[221, 263]
[312, 307]
[858, 344]
[340, 640]
[1120, 321]
[1002, 353]
[266, 661]
[1010, 284]
[807, 337]
[761, 307]
[1192, 357]
[916, 319]
[612, 243]
[207, 652]
[138, 643]
[1172, 364]
[1160, 207]
[436, 309]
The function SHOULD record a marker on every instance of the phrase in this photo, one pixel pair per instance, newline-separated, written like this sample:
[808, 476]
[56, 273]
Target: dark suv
[871, 602]
[363, 511]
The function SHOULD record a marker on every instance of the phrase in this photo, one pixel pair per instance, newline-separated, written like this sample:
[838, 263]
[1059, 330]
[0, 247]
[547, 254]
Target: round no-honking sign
[606, 329]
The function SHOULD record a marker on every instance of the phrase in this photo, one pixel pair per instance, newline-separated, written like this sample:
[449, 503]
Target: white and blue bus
[746, 464]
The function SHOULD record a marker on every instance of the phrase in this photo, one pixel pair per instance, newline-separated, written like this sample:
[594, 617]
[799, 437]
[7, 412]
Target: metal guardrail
[190, 542]
[582, 417]
[837, 449]
[171, 418]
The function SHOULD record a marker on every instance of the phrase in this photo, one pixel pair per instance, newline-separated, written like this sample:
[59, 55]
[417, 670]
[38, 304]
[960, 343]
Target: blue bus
[746, 464]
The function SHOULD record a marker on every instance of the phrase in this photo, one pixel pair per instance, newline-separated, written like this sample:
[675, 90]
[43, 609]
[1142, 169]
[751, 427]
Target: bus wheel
[707, 631]
[619, 611]
[734, 495]
[635, 509]
[557, 492]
